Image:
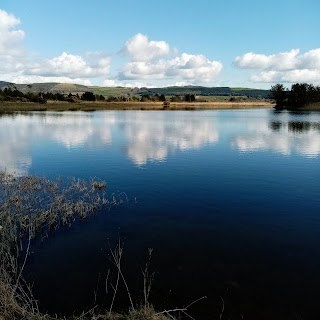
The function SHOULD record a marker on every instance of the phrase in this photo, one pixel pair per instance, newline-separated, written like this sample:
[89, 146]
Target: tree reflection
[299, 127]
[275, 125]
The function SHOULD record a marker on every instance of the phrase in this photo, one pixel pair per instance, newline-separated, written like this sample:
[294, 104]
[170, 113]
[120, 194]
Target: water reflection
[145, 136]
[285, 137]
[153, 137]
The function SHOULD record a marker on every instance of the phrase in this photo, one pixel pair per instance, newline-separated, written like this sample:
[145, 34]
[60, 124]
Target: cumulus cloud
[117, 83]
[153, 60]
[281, 61]
[139, 48]
[149, 60]
[290, 66]
[11, 50]
[72, 66]
[292, 76]
[10, 37]
[20, 78]
[16, 64]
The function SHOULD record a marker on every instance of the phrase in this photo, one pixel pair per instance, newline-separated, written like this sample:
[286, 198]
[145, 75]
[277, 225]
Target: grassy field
[110, 91]
[95, 106]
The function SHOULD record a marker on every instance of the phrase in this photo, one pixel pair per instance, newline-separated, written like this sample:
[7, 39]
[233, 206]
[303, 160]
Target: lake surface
[228, 200]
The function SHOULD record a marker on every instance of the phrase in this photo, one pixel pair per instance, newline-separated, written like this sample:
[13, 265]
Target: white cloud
[185, 67]
[72, 66]
[291, 76]
[10, 37]
[194, 68]
[139, 48]
[40, 79]
[16, 65]
[281, 61]
[11, 51]
[149, 60]
[116, 83]
[290, 66]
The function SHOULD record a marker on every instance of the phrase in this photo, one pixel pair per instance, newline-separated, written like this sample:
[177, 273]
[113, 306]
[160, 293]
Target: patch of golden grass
[6, 107]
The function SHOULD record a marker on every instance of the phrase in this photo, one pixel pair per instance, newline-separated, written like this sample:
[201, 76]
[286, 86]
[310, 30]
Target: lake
[228, 200]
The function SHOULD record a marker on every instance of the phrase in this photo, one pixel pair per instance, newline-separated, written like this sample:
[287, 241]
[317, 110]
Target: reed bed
[33, 207]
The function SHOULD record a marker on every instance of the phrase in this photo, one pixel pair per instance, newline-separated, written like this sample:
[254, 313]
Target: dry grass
[33, 207]
[96, 106]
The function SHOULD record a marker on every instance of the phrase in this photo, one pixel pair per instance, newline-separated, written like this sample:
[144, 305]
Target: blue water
[228, 200]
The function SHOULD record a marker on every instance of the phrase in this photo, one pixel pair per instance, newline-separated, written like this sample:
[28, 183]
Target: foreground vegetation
[32, 208]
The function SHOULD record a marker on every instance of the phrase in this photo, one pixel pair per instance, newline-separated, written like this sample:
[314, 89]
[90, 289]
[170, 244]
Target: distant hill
[4, 84]
[207, 91]
[52, 87]
[112, 91]
[66, 88]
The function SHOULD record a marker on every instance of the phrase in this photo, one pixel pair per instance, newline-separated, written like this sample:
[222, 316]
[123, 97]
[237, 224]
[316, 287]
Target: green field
[110, 91]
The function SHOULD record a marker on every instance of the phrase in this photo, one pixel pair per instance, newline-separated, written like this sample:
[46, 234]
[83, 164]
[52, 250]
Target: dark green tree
[299, 95]
[278, 93]
[88, 96]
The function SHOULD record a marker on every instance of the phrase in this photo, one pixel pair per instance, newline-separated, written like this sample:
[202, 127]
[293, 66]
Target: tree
[189, 98]
[300, 95]
[88, 96]
[278, 93]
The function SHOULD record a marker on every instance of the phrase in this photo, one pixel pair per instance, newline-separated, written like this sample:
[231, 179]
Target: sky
[160, 43]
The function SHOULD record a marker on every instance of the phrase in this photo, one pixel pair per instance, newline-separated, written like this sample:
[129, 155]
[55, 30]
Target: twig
[107, 278]
[23, 265]
[117, 255]
[96, 291]
[195, 301]
[222, 309]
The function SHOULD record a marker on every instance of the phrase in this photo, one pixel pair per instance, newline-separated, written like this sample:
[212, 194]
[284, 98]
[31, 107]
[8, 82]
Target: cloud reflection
[15, 145]
[19, 133]
[282, 137]
[144, 136]
[153, 137]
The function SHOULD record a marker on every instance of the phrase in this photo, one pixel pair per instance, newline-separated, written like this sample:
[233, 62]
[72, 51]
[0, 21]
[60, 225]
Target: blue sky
[137, 43]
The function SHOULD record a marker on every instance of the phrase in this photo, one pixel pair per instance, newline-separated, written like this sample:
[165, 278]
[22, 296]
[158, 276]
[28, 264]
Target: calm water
[228, 200]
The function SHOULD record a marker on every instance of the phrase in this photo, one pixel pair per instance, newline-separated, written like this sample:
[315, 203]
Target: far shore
[95, 106]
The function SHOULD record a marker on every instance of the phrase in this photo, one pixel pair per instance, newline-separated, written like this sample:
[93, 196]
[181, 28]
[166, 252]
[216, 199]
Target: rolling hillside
[66, 88]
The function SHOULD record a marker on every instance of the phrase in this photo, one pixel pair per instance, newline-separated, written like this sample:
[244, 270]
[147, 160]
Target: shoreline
[99, 106]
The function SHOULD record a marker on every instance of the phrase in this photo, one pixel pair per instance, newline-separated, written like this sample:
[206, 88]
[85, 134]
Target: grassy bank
[312, 106]
[95, 106]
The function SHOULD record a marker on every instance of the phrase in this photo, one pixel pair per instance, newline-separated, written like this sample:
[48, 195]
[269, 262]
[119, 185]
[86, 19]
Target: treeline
[161, 98]
[300, 95]
[208, 91]
[13, 94]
